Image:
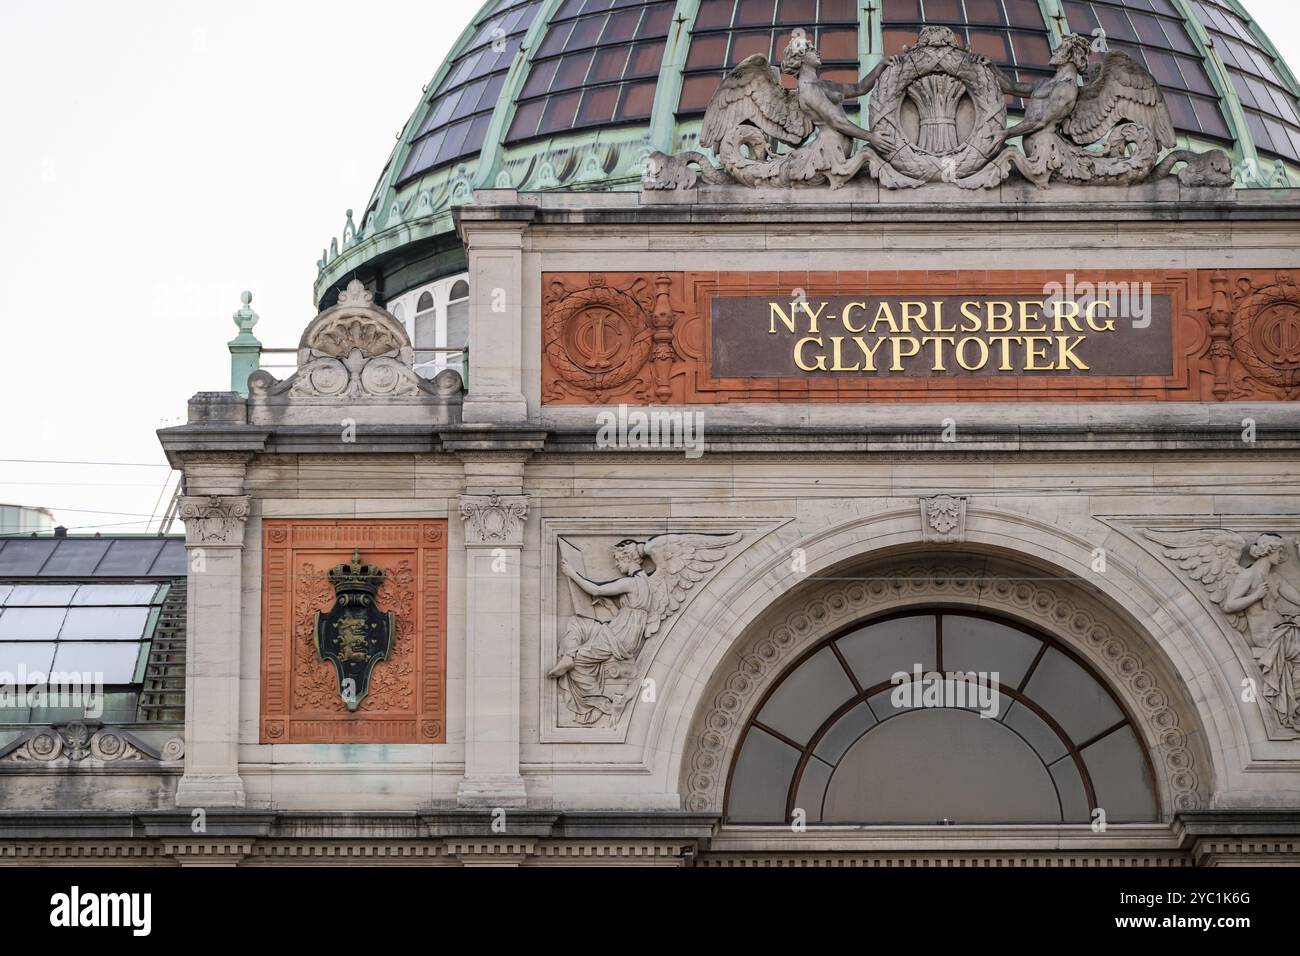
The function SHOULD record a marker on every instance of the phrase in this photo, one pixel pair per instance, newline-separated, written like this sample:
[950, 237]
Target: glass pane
[977, 644]
[942, 764]
[844, 733]
[131, 558]
[877, 651]
[23, 658]
[5, 590]
[104, 623]
[1120, 778]
[1042, 738]
[42, 595]
[115, 594]
[1075, 701]
[812, 789]
[1069, 786]
[31, 623]
[23, 558]
[807, 697]
[75, 556]
[761, 780]
[116, 662]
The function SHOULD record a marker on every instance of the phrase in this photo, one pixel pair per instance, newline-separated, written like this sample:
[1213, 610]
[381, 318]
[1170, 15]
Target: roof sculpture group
[937, 113]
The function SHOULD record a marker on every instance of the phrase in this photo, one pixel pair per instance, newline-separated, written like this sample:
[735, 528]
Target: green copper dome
[573, 94]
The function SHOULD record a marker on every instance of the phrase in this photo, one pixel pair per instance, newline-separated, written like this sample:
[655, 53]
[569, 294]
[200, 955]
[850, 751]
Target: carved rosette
[494, 520]
[215, 520]
[943, 519]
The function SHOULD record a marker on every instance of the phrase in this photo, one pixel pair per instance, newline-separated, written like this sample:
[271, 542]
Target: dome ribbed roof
[573, 94]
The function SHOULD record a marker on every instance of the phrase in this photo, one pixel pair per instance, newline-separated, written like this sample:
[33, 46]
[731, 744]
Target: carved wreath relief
[1242, 576]
[938, 114]
[598, 669]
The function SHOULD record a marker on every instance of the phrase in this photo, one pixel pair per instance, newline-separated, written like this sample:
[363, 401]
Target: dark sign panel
[1121, 329]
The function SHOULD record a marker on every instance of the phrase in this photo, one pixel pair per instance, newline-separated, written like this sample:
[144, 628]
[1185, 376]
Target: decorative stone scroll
[493, 520]
[938, 114]
[87, 745]
[354, 352]
[215, 519]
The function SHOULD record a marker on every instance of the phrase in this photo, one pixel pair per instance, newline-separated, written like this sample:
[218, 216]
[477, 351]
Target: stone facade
[803, 515]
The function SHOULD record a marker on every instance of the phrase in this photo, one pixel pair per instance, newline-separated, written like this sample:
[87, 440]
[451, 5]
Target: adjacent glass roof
[135, 557]
[98, 629]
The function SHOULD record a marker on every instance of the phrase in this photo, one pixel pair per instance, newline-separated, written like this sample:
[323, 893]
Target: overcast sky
[158, 158]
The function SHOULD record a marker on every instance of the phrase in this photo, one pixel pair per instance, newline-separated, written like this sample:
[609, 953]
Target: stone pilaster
[494, 538]
[494, 240]
[214, 541]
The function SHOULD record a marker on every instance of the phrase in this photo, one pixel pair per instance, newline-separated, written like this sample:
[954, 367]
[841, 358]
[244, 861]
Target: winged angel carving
[1242, 578]
[598, 653]
[937, 114]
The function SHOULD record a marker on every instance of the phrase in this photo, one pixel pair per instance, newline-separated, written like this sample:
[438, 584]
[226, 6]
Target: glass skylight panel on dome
[1011, 33]
[597, 65]
[1156, 37]
[1272, 112]
[460, 109]
[727, 31]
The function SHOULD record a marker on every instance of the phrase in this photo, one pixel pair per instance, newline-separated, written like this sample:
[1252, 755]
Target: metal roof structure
[573, 94]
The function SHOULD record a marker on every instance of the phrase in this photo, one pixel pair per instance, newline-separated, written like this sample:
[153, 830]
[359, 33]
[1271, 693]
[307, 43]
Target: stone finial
[245, 349]
[245, 318]
[357, 294]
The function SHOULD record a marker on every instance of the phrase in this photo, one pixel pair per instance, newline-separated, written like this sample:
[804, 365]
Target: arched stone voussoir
[738, 646]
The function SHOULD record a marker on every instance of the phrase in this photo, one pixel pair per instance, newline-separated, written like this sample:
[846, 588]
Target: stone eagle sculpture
[595, 652]
[1104, 124]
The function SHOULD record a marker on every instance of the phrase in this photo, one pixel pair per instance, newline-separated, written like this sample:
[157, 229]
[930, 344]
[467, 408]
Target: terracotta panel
[300, 693]
[641, 338]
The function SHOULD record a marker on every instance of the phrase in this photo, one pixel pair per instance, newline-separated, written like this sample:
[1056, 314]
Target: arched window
[898, 721]
[458, 315]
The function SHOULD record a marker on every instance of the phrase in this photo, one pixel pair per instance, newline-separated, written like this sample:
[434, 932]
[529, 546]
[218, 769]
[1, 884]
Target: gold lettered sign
[1121, 331]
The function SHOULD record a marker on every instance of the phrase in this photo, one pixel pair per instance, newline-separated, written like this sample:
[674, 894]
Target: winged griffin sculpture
[937, 114]
[1242, 578]
[615, 619]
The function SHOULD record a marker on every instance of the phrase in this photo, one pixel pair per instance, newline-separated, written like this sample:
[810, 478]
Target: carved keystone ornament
[937, 113]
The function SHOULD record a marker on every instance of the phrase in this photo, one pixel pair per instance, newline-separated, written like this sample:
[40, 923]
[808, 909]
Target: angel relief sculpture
[597, 669]
[937, 113]
[1244, 581]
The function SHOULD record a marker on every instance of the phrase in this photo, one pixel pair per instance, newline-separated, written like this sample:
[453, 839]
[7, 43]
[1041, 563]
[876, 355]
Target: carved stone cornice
[215, 520]
[494, 520]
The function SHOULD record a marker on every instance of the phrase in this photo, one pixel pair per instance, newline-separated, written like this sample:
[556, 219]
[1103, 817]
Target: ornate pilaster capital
[494, 520]
[943, 519]
[215, 520]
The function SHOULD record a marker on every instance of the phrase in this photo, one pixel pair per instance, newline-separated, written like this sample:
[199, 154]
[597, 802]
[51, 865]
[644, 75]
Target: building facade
[916, 492]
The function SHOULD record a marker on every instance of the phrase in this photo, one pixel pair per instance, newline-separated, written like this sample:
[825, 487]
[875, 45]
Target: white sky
[157, 159]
